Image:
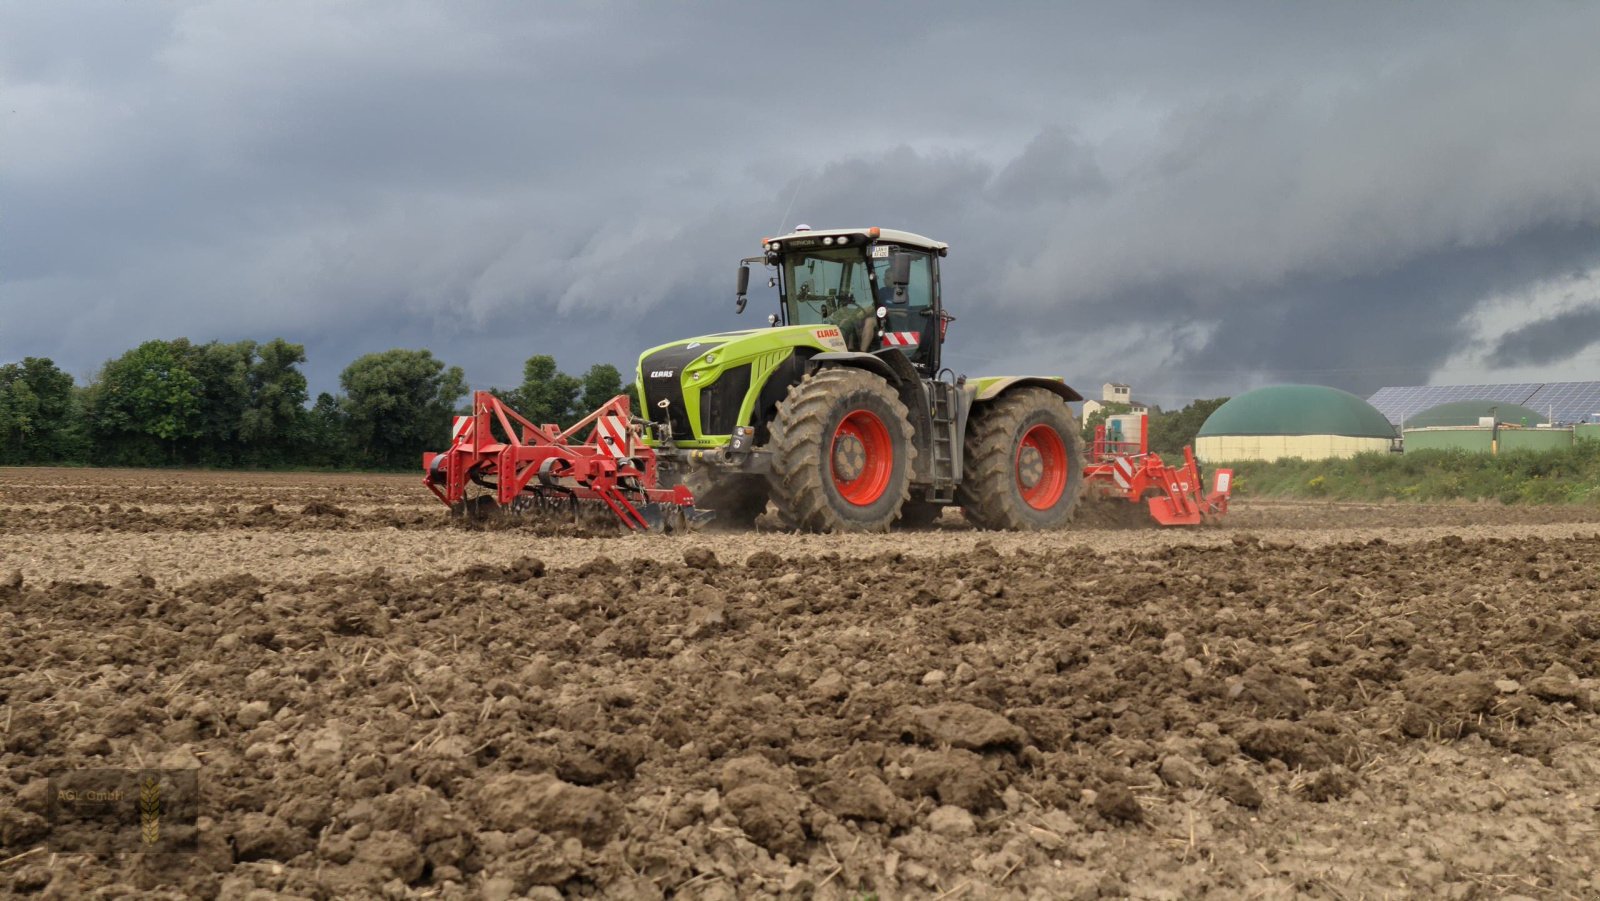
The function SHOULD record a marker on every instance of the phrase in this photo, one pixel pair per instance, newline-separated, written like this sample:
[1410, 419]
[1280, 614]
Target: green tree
[40, 414]
[273, 423]
[399, 404]
[144, 405]
[223, 371]
[325, 439]
[1171, 432]
[601, 383]
[547, 394]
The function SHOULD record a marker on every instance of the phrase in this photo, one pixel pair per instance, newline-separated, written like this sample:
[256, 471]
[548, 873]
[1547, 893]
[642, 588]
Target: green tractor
[840, 413]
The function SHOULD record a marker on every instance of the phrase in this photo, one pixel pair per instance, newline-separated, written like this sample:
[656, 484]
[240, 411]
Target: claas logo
[827, 333]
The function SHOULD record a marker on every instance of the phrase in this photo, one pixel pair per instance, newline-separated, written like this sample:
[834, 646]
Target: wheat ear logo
[150, 811]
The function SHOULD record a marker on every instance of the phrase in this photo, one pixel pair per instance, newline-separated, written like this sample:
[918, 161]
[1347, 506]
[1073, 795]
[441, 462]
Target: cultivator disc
[557, 509]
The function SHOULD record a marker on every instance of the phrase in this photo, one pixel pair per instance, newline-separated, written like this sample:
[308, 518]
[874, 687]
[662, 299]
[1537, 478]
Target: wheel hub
[861, 458]
[849, 457]
[1041, 467]
[1030, 466]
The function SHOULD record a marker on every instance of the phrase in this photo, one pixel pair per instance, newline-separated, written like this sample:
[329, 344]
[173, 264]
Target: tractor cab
[879, 287]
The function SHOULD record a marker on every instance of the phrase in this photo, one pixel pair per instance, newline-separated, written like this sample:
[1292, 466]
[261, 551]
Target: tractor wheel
[919, 515]
[736, 499]
[1024, 465]
[841, 453]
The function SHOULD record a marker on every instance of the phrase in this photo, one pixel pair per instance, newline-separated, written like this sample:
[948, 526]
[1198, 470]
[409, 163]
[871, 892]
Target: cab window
[919, 291]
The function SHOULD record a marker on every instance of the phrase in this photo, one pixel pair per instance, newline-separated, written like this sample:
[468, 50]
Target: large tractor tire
[1024, 463]
[736, 499]
[841, 453]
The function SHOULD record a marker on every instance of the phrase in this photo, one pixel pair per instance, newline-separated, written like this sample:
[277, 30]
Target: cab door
[910, 322]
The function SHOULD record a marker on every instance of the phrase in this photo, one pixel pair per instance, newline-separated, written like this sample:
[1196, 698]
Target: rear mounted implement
[528, 467]
[1123, 470]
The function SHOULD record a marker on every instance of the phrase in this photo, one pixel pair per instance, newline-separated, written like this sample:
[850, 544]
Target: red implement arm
[497, 448]
[1128, 471]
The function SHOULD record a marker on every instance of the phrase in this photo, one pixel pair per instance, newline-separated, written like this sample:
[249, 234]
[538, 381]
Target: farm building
[1482, 426]
[1113, 393]
[1312, 422]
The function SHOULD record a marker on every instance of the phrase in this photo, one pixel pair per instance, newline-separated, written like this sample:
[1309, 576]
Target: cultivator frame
[1128, 471]
[543, 466]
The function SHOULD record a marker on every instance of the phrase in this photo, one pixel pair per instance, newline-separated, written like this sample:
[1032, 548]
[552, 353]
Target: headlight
[828, 240]
[711, 358]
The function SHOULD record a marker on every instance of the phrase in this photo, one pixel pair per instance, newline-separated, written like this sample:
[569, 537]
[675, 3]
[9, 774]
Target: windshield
[819, 283]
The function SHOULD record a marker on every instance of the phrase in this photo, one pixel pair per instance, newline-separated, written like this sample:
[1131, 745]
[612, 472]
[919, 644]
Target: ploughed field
[1316, 700]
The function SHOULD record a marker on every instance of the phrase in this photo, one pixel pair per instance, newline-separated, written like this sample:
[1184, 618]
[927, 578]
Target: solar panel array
[1563, 402]
[1572, 401]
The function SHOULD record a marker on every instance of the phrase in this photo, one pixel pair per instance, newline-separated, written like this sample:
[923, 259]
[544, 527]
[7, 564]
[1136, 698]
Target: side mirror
[900, 270]
[744, 288]
[900, 275]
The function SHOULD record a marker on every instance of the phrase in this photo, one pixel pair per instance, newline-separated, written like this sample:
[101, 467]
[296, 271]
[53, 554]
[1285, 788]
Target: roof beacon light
[874, 232]
[802, 228]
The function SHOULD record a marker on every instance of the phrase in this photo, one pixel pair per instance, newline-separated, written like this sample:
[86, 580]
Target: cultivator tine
[533, 468]
[663, 517]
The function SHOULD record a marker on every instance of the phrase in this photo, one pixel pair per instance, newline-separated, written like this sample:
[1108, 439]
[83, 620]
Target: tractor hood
[680, 354]
[702, 385]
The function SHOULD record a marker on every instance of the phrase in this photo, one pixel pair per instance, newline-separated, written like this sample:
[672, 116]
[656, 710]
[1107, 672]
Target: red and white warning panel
[901, 339]
[612, 434]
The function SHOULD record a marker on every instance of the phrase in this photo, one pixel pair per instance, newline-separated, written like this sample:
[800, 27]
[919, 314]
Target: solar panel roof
[1400, 404]
[1571, 401]
[1564, 402]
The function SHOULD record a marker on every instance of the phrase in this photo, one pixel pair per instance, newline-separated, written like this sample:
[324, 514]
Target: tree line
[179, 403]
[1170, 431]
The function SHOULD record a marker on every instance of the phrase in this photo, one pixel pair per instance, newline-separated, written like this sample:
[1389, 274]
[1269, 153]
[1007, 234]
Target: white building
[1113, 393]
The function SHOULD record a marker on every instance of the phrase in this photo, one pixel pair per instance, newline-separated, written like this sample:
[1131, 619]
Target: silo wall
[1535, 439]
[1472, 440]
[1228, 448]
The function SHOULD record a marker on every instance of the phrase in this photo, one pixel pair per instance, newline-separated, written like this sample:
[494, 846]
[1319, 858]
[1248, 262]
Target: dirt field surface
[1326, 701]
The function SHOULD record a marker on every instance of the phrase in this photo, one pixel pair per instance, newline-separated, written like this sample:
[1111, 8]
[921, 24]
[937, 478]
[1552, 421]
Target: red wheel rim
[860, 458]
[1041, 467]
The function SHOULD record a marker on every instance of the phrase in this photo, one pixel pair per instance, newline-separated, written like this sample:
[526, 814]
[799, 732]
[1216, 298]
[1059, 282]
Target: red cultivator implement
[532, 467]
[1128, 472]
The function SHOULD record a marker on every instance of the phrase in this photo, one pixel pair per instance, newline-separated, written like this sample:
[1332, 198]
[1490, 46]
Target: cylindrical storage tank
[1311, 422]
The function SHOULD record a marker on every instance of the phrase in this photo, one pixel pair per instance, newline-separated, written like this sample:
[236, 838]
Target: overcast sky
[1194, 198]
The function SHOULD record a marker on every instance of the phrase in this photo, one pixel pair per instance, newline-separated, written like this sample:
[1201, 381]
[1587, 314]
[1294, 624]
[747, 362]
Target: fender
[870, 362]
[991, 388]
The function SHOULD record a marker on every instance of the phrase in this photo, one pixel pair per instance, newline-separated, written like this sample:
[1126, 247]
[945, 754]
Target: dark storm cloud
[1194, 200]
[1549, 340]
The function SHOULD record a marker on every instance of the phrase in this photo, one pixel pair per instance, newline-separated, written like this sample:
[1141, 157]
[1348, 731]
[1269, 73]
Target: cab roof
[885, 235]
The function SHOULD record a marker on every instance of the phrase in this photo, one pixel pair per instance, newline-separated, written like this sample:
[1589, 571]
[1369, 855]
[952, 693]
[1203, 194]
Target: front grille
[720, 401]
[668, 386]
[671, 390]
